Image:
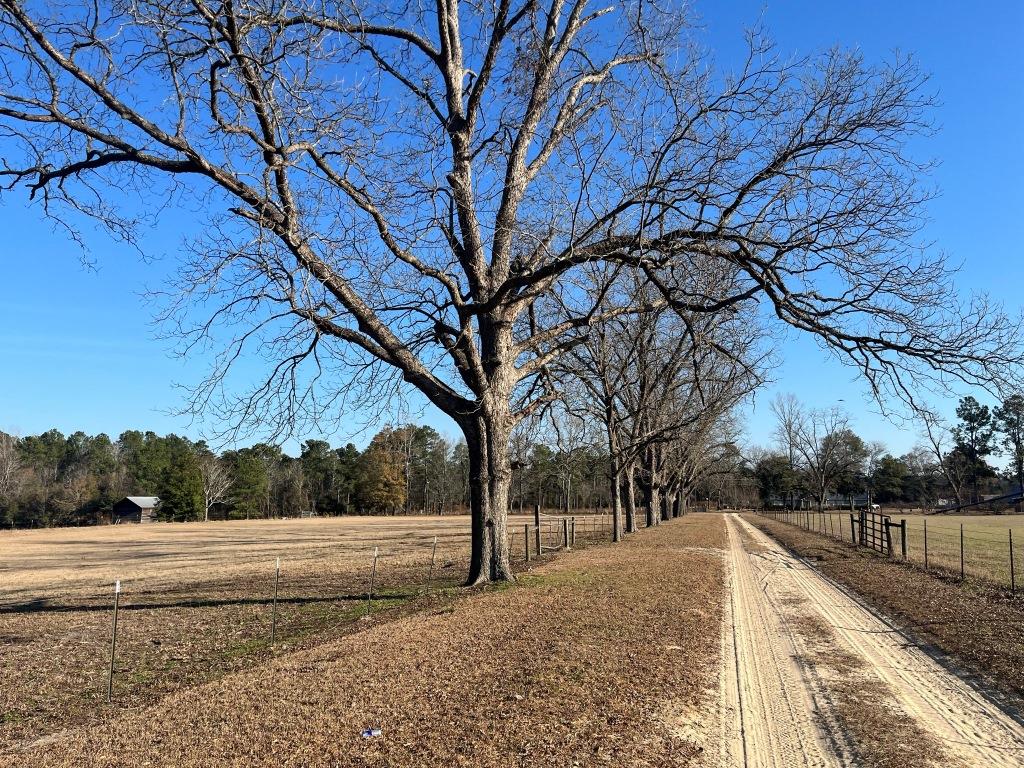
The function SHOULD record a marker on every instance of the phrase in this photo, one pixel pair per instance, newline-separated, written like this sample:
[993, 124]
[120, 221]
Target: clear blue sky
[79, 350]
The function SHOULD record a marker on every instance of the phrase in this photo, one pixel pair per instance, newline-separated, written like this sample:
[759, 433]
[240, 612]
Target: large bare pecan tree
[403, 186]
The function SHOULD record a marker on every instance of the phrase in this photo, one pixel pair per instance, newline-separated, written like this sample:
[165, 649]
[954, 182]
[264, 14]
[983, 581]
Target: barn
[135, 509]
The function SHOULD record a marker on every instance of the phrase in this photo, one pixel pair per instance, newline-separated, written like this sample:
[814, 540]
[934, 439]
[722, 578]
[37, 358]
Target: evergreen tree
[974, 437]
[1009, 420]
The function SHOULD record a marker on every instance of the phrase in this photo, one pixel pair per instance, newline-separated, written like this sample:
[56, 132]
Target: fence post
[373, 577]
[961, 551]
[1013, 572]
[526, 540]
[572, 526]
[565, 533]
[540, 541]
[926, 544]
[273, 620]
[888, 536]
[113, 643]
[433, 554]
[853, 531]
[903, 537]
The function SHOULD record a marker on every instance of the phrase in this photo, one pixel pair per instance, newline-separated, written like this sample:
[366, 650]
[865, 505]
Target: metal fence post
[373, 577]
[926, 543]
[1013, 572]
[961, 551]
[433, 555]
[113, 642]
[273, 620]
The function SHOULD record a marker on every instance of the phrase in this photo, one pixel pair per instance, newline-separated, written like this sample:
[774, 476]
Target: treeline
[53, 480]
[818, 460]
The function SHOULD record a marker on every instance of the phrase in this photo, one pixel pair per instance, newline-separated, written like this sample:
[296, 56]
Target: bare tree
[827, 449]
[790, 419]
[395, 193]
[950, 462]
[9, 465]
[217, 481]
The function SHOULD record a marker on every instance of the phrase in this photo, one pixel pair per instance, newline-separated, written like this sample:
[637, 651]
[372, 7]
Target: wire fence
[980, 547]
[64, 655]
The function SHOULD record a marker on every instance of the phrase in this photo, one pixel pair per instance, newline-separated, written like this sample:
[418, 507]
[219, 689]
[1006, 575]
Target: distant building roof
[144, 502]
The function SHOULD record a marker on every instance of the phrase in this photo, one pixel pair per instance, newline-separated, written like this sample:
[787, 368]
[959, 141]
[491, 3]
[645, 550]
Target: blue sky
[79, 348]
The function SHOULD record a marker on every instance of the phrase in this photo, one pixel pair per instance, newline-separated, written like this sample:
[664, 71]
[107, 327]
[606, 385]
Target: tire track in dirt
[970, 729]
[768, 715]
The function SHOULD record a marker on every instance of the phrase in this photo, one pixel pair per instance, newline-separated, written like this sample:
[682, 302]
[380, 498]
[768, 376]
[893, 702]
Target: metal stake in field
[926, 544]
[273, 620]
[961, 551]
[373, 577]
[430, 573]
[113, 643]
[1013, 572]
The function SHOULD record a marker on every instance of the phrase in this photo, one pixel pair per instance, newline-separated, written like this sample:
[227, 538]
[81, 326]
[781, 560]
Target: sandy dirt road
[812, 677]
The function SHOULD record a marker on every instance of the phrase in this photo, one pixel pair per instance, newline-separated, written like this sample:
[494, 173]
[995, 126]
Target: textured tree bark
[629, 486]
[490, 473]
[615, 480]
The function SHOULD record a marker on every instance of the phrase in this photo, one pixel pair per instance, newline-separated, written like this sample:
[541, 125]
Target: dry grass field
[198, 602]
[79, 561]
[605, 656]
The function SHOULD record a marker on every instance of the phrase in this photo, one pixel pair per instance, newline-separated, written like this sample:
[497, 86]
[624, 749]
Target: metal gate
[873, 531]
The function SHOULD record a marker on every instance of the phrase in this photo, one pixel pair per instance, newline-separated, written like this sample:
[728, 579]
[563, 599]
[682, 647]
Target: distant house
[136, 509]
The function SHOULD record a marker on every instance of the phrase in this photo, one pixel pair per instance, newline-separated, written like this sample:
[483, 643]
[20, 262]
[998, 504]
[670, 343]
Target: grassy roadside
[980, 628]
[581, 663]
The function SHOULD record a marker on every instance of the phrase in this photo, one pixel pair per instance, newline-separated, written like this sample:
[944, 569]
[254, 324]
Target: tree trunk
[490, 475]
[616, 479]
[653, 500]
[629, 486]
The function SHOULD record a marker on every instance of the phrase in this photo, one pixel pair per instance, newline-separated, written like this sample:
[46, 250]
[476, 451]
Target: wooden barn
[135, 509]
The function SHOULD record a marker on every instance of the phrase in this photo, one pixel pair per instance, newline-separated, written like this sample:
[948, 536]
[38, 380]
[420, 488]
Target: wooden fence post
[853, 531]
[536, 522]
[888, 536]
[565, 533]
[113, 643]
[526, 540]
[903, 537]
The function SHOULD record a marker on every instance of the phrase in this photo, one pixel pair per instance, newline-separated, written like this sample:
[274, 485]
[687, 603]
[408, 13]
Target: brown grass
[197, 604]
[573, 666]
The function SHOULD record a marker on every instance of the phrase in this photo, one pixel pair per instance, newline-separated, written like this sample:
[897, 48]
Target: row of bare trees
[818, 454]
[664, 386]
[455, 196]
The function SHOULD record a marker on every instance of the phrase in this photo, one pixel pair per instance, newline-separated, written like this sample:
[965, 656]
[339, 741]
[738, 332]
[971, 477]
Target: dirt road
[812, 677]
